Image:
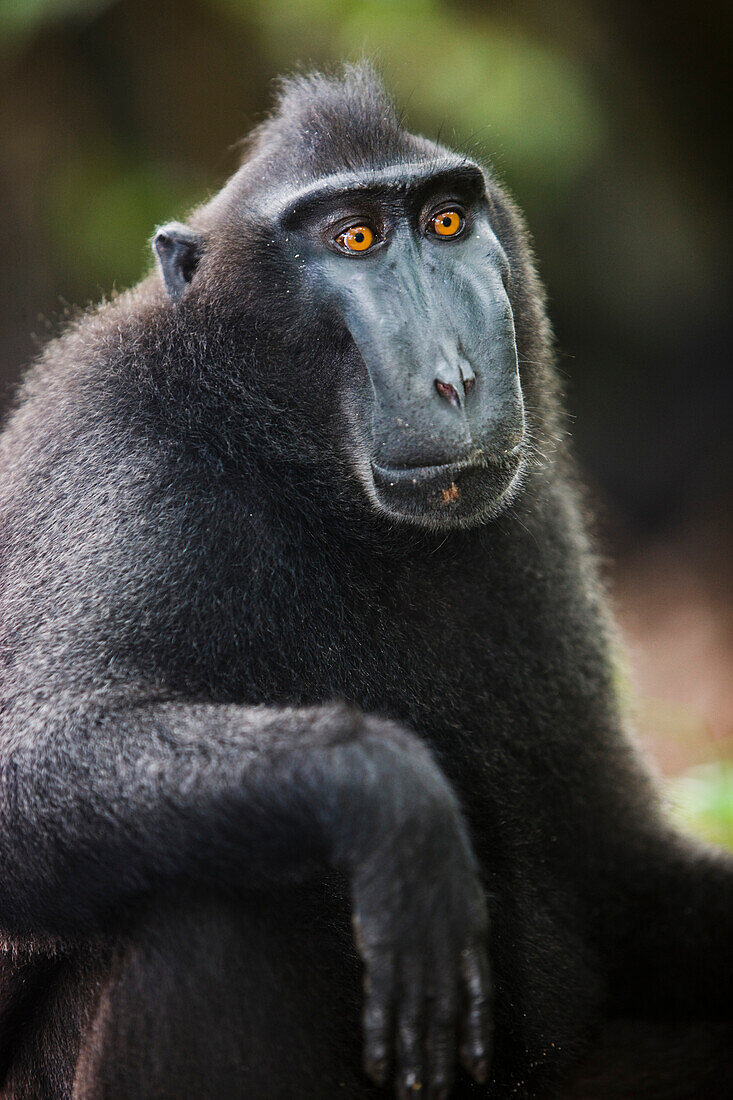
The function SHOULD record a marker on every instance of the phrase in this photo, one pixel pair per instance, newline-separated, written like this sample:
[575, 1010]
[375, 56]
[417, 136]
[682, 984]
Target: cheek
[355, 406]
[312, 380]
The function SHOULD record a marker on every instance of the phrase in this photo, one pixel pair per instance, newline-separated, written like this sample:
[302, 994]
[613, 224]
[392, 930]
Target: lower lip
[417, 475]
[446, 494]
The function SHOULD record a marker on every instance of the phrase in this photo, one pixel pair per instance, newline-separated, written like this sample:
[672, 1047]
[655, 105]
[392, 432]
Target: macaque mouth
[420, 475]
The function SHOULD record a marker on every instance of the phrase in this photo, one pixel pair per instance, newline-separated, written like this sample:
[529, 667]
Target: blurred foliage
[91, 203]
[20, 18]
[477, 78]
[116, 115]
[701, 800]
[471, 68]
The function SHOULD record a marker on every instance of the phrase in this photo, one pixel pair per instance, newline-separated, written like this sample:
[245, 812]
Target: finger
[476, 1022]
[441, 1039]
[410, 1030]
[377, 1017]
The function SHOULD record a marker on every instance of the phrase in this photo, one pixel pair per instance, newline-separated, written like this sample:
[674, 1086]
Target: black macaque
[313, 780]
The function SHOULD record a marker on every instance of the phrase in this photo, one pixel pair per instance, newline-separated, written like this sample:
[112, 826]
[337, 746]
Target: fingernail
[412, 1081]
[481, 1071]
[377, 1070]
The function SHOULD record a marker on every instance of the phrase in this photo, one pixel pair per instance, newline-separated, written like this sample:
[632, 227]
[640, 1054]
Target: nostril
[469, 383]
[447, 392]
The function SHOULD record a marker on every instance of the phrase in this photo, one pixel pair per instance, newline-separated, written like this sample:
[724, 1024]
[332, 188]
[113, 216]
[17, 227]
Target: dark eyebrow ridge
[383, 184]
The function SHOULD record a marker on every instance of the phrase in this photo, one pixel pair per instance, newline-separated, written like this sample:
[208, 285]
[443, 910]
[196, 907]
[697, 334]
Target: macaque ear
[178, 251]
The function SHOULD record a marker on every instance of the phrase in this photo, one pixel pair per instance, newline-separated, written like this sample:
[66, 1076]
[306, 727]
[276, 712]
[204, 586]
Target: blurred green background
[605, 119]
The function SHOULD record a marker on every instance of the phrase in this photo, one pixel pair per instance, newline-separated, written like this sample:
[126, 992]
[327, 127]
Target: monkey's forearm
[114, 804]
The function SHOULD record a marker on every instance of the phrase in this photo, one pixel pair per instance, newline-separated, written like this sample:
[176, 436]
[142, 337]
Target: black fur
[220, 667]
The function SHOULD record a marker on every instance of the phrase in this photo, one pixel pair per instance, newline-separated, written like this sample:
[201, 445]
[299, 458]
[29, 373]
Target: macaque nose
[458, 386]
[447, 391]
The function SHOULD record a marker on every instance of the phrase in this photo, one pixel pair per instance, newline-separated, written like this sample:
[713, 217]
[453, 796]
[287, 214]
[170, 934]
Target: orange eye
[447, 223]
[357, 238]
